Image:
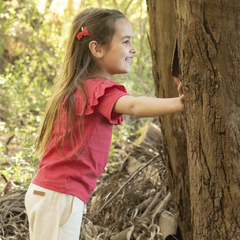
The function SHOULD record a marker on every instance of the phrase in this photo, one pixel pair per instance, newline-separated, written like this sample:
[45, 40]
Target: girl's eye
[126, 42]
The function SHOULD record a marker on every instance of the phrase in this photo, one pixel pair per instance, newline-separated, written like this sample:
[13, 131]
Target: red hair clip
[83, 33]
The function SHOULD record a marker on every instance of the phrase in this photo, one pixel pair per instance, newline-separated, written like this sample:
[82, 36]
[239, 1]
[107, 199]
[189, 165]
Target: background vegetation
[33, 37]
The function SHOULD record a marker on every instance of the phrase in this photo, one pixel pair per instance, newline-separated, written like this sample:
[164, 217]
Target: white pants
[53, 215]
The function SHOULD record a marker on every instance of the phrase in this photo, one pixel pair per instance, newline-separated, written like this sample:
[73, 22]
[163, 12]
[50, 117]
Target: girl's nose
[133, 50]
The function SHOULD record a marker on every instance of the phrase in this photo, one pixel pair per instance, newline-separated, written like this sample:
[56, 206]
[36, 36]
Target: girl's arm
[149, 106]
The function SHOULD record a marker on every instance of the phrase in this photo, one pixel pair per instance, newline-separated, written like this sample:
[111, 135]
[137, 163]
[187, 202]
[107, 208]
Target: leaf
[129, 234]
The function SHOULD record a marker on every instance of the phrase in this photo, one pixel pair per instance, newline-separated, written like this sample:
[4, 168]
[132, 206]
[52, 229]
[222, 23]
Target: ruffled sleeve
[102, 95]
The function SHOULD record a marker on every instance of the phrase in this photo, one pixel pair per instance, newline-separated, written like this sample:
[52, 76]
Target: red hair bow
[83, 33]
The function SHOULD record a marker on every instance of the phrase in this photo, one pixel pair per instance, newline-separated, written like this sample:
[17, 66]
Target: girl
[75, 137]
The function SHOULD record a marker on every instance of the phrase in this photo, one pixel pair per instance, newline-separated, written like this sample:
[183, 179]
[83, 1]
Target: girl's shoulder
[95, 89]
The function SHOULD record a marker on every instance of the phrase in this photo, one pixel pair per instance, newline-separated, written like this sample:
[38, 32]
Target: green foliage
[20, 171]
[32, 46]
[121, 133]
[31, 55]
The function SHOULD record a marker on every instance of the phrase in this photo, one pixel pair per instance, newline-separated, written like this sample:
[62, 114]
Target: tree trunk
[201, 145]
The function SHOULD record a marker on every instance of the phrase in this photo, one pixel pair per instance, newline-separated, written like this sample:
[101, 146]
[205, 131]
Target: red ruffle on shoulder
[96, 88]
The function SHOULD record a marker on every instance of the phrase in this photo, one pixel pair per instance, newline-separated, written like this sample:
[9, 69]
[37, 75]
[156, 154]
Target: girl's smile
[117, 58]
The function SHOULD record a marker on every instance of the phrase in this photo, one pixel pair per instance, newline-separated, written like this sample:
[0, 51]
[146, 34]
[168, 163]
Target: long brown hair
[78, 65]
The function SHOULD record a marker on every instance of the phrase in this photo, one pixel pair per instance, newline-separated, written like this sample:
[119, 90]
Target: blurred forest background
[33, 36]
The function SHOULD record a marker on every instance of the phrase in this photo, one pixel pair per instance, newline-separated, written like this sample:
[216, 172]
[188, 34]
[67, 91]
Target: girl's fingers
[177, 81]
[180, 90]
[181, 98]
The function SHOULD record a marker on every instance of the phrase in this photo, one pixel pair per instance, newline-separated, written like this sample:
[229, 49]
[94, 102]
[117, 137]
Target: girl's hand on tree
[148, 106]
[180, 90]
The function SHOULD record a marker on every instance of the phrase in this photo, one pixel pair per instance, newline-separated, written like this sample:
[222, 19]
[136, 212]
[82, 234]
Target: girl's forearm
[151, 107]
[147, 106]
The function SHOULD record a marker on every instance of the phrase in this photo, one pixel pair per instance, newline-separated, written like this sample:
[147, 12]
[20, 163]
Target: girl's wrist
[177, 105]
[180, 105]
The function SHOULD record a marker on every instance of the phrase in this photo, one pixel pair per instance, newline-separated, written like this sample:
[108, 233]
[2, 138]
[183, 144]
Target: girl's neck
[92, 76]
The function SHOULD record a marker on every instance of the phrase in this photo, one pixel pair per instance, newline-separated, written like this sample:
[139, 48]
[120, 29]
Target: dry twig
[133, 175]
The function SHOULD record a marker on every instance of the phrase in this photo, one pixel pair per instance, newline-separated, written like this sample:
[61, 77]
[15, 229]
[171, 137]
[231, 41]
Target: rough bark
[162, 19]
[202, 145]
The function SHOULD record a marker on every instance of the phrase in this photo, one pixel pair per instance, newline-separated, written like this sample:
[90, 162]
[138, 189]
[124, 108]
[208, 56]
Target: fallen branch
[155, 200]
[162, 205]
[141, 182]
[134, 174]
[142, 206]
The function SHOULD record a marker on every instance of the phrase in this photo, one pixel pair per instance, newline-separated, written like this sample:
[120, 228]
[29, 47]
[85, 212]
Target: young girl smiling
[75, 136]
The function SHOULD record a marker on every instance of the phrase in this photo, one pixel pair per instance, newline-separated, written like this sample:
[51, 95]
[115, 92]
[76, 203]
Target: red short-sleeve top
[78, 176]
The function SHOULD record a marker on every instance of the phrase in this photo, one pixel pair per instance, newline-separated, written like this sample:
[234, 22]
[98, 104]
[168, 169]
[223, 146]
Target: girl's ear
[96, 49]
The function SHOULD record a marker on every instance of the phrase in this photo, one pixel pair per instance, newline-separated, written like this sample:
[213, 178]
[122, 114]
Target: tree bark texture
[200, 39]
